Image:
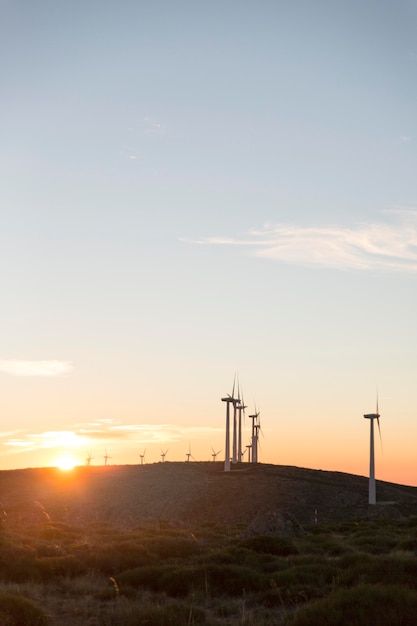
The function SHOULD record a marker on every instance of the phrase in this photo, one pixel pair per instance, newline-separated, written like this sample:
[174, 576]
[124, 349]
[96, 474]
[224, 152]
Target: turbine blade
[380, 436]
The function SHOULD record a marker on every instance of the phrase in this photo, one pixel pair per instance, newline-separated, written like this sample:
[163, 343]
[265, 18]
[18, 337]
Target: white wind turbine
[106, 457]
[142, 457]
[163, 455]
[88, 459]
[371, 417]
[188, 454]
[254, 442]
[236, 403]
[228, 399]
[214, 454]
[242, 406]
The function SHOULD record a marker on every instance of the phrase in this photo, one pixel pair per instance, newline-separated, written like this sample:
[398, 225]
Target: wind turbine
[254, 417]
[163, 455]
[106, 456]
[241, 408]
[371, 417]
[214, 454]
[142, 457]
[88, 459]
[228, 399]
[188, 454]
[236, 403]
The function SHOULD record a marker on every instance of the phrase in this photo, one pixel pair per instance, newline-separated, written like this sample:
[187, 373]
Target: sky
[195, 191]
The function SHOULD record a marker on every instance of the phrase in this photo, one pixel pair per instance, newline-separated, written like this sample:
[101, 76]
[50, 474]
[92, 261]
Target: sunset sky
[191, 190]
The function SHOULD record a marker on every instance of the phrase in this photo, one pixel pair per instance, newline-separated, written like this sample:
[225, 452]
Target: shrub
[20, 570]
[167, 547]
[149, 577]
[145, 613]
[409, 544]
[388, 570]
[361, 606]
[114, 558]
[265, 544]
[374, 543]
[59, 531]
[303, 582]
[67, 566]
[323, 544]
[19, 611]
[232, 580]
[240, 555]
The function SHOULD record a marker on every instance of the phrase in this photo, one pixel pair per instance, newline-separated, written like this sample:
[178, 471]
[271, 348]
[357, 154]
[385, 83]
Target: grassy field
[356, 573]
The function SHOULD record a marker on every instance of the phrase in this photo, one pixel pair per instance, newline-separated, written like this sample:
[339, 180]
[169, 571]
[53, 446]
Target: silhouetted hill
[194, 493]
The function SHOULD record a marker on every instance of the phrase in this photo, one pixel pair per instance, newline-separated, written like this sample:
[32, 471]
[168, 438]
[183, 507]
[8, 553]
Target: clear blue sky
[191, 189]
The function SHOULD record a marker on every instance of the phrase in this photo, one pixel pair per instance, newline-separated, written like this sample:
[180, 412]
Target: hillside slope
[192, 494]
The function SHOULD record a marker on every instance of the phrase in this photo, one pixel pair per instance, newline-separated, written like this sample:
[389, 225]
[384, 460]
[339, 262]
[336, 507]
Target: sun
[66, 462]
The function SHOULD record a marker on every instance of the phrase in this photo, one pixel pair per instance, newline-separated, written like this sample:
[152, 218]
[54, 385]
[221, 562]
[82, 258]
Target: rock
[276, 523]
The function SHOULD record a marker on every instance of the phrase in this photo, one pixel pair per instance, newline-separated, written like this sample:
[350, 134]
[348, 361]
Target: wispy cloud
[389, 245]
[90, 435]
[18, 367]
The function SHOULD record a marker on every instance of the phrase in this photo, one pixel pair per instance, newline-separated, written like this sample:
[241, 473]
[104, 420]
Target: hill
[194, 493]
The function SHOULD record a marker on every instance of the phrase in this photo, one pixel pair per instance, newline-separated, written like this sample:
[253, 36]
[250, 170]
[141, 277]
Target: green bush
[303, 582]
[168, 547]
[19, 611]
[146, 614]
[232, 580]
[388, 570]
[374, 543]
[67, 566]
[234, 555]
[408, 544]
[365, 605]
[114, 558]
[20, 570]
[59, 531]
[149, 577]
[323, 544]
[265, 544]
[229, 580]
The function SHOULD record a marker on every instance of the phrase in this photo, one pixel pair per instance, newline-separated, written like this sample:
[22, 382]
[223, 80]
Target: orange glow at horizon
[66, 462]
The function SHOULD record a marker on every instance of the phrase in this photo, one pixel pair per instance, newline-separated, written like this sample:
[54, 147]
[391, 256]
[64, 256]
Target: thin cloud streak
[87, 436]
[365, 246]
[17, 367]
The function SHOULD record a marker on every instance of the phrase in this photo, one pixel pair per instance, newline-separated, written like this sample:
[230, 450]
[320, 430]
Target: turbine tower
[236, 403]
[106, 457]
[254, 441]
[240, 452]
[371, 417]
[88, 459]
[228, 399]
[142, 457]
[163, 455]
[188, 454]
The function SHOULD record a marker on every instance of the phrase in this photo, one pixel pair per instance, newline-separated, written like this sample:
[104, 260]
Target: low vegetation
[356, 573]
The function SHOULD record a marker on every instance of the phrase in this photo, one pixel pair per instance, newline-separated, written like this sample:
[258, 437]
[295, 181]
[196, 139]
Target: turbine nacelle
[372, 416]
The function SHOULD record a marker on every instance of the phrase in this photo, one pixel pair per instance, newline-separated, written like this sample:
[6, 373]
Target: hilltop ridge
[193, 493]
